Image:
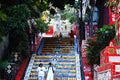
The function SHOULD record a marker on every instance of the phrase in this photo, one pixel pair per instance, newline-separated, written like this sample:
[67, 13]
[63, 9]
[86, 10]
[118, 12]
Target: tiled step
[65, 67]
[59, 78]
[51, 56]
[60, 45]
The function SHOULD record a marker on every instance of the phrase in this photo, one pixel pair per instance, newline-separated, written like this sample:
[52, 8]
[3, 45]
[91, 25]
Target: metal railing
[78, 48]
[38, 52]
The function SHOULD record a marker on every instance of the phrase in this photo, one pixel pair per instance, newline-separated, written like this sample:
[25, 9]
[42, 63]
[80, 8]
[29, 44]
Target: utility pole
[91, 23]
[91, 18]
[82, 29]
[82, 37]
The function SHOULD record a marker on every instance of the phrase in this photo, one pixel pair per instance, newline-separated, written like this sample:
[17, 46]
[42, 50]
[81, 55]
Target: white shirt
[41, 71]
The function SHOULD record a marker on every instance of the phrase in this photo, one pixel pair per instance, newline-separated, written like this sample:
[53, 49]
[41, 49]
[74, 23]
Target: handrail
[80, 56]
[40, 46]
[29, 68]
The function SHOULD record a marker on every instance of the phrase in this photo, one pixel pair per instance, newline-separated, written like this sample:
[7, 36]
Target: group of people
[45, 73]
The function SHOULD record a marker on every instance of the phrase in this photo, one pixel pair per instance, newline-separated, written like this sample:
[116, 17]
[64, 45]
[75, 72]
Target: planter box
[111, 54]
[109, 71]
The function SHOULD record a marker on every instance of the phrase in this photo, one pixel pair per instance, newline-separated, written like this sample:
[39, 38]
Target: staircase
[61, 54]
[57, 45]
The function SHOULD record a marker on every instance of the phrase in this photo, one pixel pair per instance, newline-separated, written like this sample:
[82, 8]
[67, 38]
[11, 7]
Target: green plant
[41, 25]
[2, 14]
[16, 25]
[18, 40]
[71, 20]
[110, 4]
[3, 64]
[51, 16]
[92, 51]
[103, 36]
[63, 16]
[3, 17]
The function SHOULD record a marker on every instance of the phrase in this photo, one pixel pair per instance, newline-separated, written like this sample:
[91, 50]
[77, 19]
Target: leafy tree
[17, 16]
[103, 36]
[41, 26]
[61, 3]
[3, 64]
[13, 21]
[18, 40]
[71, 20]
[64, 16]
[18, 11]
[51, 16]
[2, 18]
[16, 25]
[67, 14]
[35, 6]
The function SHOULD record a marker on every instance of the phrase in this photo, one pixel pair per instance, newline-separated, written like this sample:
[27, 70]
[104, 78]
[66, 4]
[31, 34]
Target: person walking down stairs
[71, 34]
[51, 72]
[41, 72]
